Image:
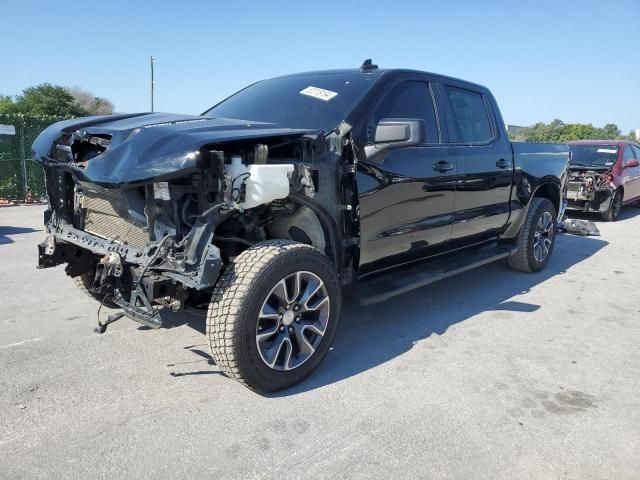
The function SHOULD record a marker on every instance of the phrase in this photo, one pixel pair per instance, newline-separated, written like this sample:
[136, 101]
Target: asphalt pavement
[493, 374]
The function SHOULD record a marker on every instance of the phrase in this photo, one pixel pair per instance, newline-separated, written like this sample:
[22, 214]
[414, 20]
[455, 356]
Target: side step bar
[410, 277]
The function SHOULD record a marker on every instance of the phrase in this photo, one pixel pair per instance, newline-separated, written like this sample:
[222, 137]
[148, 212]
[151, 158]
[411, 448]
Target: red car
[604, 175]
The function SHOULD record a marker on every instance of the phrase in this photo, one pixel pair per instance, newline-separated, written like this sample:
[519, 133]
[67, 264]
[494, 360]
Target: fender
[329, 225]
[548, 187]
[541, 170]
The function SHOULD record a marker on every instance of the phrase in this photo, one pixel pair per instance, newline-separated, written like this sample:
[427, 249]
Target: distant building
[638, 134]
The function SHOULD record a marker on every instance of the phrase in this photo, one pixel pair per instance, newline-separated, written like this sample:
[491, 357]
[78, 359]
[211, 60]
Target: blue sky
[574, 60]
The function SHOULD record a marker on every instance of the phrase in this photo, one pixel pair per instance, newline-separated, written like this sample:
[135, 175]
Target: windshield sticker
[319, 93]
[607, 150]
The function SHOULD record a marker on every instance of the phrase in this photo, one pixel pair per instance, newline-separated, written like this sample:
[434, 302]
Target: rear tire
[611, 215]
[265, 328]
[84, 282]
[536, 238]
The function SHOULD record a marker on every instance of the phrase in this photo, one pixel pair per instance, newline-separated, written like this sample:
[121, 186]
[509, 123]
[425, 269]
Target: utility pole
[152, 83]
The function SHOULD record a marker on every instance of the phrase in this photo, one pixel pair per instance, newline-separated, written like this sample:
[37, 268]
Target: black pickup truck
[270, 205]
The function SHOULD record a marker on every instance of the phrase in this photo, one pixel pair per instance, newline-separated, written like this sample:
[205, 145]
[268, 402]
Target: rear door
[484, 161]
[406, 197]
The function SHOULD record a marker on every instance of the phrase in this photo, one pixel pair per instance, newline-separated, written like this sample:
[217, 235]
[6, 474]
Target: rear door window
[407, 99]
[470, 120]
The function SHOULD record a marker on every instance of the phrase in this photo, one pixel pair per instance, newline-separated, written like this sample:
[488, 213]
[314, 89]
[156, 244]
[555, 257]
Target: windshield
[593, 155]
[316, 101]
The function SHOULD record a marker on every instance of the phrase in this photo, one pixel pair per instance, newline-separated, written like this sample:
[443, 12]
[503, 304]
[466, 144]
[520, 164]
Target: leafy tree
[102, 106]
[89, 102]
[6, 104]
[611, 130]
[55, 101]
[560, 132]
[576, 131]
[47, 99]
[631, 136]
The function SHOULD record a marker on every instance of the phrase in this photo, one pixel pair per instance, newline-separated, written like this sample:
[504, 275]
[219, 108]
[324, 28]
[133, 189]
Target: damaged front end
[590, 190]
[137, 257]
[152, 207]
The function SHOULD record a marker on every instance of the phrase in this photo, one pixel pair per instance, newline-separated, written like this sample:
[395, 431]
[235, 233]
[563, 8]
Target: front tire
[84, 283]
[274, 314]
[537, 237]
[611, 215]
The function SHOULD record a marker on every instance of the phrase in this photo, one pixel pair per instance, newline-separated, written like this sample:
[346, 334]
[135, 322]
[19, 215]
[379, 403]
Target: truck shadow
[194, 318]
[370, 336]
[6, 232]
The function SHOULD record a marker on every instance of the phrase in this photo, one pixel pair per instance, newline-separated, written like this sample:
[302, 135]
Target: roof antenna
[367, 66]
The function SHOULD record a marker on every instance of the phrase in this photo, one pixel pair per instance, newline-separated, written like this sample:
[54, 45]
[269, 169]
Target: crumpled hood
[146, 146]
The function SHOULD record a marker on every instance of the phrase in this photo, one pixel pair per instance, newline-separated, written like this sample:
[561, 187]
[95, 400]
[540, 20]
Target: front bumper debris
[579, 227]
[138, 278]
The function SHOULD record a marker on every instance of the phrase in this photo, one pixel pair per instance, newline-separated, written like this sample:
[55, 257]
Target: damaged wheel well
[329, 228]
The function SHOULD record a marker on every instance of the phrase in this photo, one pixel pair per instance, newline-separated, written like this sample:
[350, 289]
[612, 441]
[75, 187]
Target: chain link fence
[21, 177]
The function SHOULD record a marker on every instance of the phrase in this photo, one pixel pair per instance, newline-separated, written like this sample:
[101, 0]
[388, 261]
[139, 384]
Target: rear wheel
[274, 314]
[611, 215]
[537, 237]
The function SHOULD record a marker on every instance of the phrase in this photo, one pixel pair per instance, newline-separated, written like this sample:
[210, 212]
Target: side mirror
[394, 133]
[632, 163]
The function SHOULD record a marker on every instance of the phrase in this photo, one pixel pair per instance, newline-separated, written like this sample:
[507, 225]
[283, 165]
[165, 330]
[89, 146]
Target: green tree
[6, 104]
[89, 102]
[611, 131]
[560, 132]
[576, 131]
[47, 99]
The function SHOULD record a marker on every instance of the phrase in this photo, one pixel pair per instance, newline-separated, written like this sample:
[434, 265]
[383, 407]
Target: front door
[406, 197]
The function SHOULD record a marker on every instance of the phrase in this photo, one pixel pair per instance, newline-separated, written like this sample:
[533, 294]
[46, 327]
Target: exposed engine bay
[590, 190]
[164, 240]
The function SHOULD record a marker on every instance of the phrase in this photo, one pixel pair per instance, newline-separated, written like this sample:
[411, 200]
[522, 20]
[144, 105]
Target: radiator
[108, 216]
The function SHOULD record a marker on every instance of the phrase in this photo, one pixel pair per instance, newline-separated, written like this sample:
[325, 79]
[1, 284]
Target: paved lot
[494, 374]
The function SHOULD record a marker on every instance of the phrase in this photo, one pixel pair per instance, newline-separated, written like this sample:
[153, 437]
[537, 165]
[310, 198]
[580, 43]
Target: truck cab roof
[383, 73]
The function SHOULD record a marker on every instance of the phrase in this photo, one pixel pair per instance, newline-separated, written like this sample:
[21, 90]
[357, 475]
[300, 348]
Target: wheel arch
[329, 229]
[550, 191]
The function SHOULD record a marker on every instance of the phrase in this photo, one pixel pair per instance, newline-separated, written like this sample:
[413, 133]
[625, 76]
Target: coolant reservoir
[263, 183]
[266, 183]
[236, 170]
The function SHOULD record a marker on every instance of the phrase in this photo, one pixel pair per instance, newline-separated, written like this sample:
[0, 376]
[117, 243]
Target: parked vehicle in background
[274, 201]
[604, 176]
